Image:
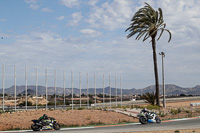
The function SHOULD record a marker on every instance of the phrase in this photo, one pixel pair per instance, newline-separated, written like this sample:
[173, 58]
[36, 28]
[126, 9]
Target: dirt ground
[70, 118]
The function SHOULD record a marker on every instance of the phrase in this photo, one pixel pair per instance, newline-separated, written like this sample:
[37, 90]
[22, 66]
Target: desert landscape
[72, 118]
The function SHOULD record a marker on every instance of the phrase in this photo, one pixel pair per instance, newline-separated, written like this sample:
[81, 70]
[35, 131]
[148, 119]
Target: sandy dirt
[70, 118]
[65, 118]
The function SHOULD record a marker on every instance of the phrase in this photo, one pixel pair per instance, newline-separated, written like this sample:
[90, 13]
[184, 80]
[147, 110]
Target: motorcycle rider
[43, 118]
[145, 110]
[149, 114]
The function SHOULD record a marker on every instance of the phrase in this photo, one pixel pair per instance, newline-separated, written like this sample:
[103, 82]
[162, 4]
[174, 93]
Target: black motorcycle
[148, 117]
[47, 124]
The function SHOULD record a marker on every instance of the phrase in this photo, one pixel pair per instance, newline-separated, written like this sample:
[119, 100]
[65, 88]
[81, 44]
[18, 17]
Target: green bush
[174, 111]
[161, 114]
[24, 103]
[149, 98]
[188, 111]
[197, 110]
[151, 107]
[81, 108]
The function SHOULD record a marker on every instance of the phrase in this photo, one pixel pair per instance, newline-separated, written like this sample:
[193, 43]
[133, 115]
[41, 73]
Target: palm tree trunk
[155, 71]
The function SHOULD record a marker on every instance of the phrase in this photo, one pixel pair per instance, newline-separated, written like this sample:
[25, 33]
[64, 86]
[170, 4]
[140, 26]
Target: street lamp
[163, 55]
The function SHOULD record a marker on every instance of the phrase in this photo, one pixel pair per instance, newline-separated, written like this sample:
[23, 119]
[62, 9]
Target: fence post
[36, 89]
[3, 87]
[72, 91]
[15, 85]
[103, 92]
[55, 87]
[95, 93]
[121, 89]
[64, 86]
[87, 92]
[46, 87]
[116, 90]
[110, 90]
[80, 86]
[26, 85]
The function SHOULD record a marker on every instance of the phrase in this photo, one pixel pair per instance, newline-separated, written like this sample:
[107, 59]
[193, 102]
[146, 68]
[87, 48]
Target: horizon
[100, 87]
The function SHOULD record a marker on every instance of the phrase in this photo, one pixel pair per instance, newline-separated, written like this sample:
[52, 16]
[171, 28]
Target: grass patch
[95, 123]
[175, 111]
[151, 107]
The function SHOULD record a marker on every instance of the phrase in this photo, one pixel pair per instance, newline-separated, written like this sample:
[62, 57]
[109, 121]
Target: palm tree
[147, 23]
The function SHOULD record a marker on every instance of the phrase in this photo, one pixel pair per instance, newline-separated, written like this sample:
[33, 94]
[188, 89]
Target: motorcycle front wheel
[143, 120]
[35, 127]
[158, 121]
[56, 126]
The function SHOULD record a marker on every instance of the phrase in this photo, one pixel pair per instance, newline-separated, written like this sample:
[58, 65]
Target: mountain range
[170, 89]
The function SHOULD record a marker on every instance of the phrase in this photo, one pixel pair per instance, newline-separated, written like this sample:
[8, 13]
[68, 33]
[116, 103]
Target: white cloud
[76, 18]
[90, 32]
[2, 20]
[61, 18]
[93, 2]
[111, 15]
[33, 4]
[70, 3]
[46, 10]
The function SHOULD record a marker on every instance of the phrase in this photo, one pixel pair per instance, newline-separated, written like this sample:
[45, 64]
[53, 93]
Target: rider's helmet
[145, 109]
[45, 116]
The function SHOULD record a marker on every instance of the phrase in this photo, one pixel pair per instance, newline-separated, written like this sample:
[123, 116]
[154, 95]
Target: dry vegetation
[71, 118]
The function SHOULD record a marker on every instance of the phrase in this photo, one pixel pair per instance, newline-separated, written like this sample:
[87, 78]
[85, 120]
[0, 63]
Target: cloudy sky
[89, 36]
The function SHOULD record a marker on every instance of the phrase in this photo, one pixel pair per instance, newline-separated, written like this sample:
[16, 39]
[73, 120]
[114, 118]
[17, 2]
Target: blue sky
[88, 36]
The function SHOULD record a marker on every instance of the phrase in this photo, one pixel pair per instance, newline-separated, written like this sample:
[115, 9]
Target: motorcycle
[148, 117]
[48, 124]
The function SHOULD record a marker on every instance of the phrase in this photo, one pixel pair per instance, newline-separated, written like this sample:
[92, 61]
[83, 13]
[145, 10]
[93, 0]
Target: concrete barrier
[194, 104]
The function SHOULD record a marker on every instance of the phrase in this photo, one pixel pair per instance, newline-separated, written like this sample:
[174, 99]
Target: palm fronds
[146, 23]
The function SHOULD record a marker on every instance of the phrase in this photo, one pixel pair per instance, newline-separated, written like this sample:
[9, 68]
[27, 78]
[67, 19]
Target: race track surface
[188, 123]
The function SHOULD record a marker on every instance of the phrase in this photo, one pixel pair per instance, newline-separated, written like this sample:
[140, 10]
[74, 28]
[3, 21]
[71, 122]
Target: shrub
[197, 110]
[24, 103]
[161, 114]
[189, 115]
[174, 111]
[81, 108]
[149, 98]
[188, 111]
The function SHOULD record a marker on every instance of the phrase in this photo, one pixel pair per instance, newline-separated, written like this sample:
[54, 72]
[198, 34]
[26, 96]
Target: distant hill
[170, 89]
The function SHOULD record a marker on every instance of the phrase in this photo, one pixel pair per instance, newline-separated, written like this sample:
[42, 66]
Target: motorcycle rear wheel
[143, 120]
[56, 126]
[158, 121]
[35, 127]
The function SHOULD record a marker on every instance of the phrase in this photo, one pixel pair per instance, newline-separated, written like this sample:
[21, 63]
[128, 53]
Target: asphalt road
[168, 125]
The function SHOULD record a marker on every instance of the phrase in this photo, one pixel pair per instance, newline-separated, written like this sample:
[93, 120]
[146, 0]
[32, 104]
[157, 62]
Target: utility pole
[163, 55]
